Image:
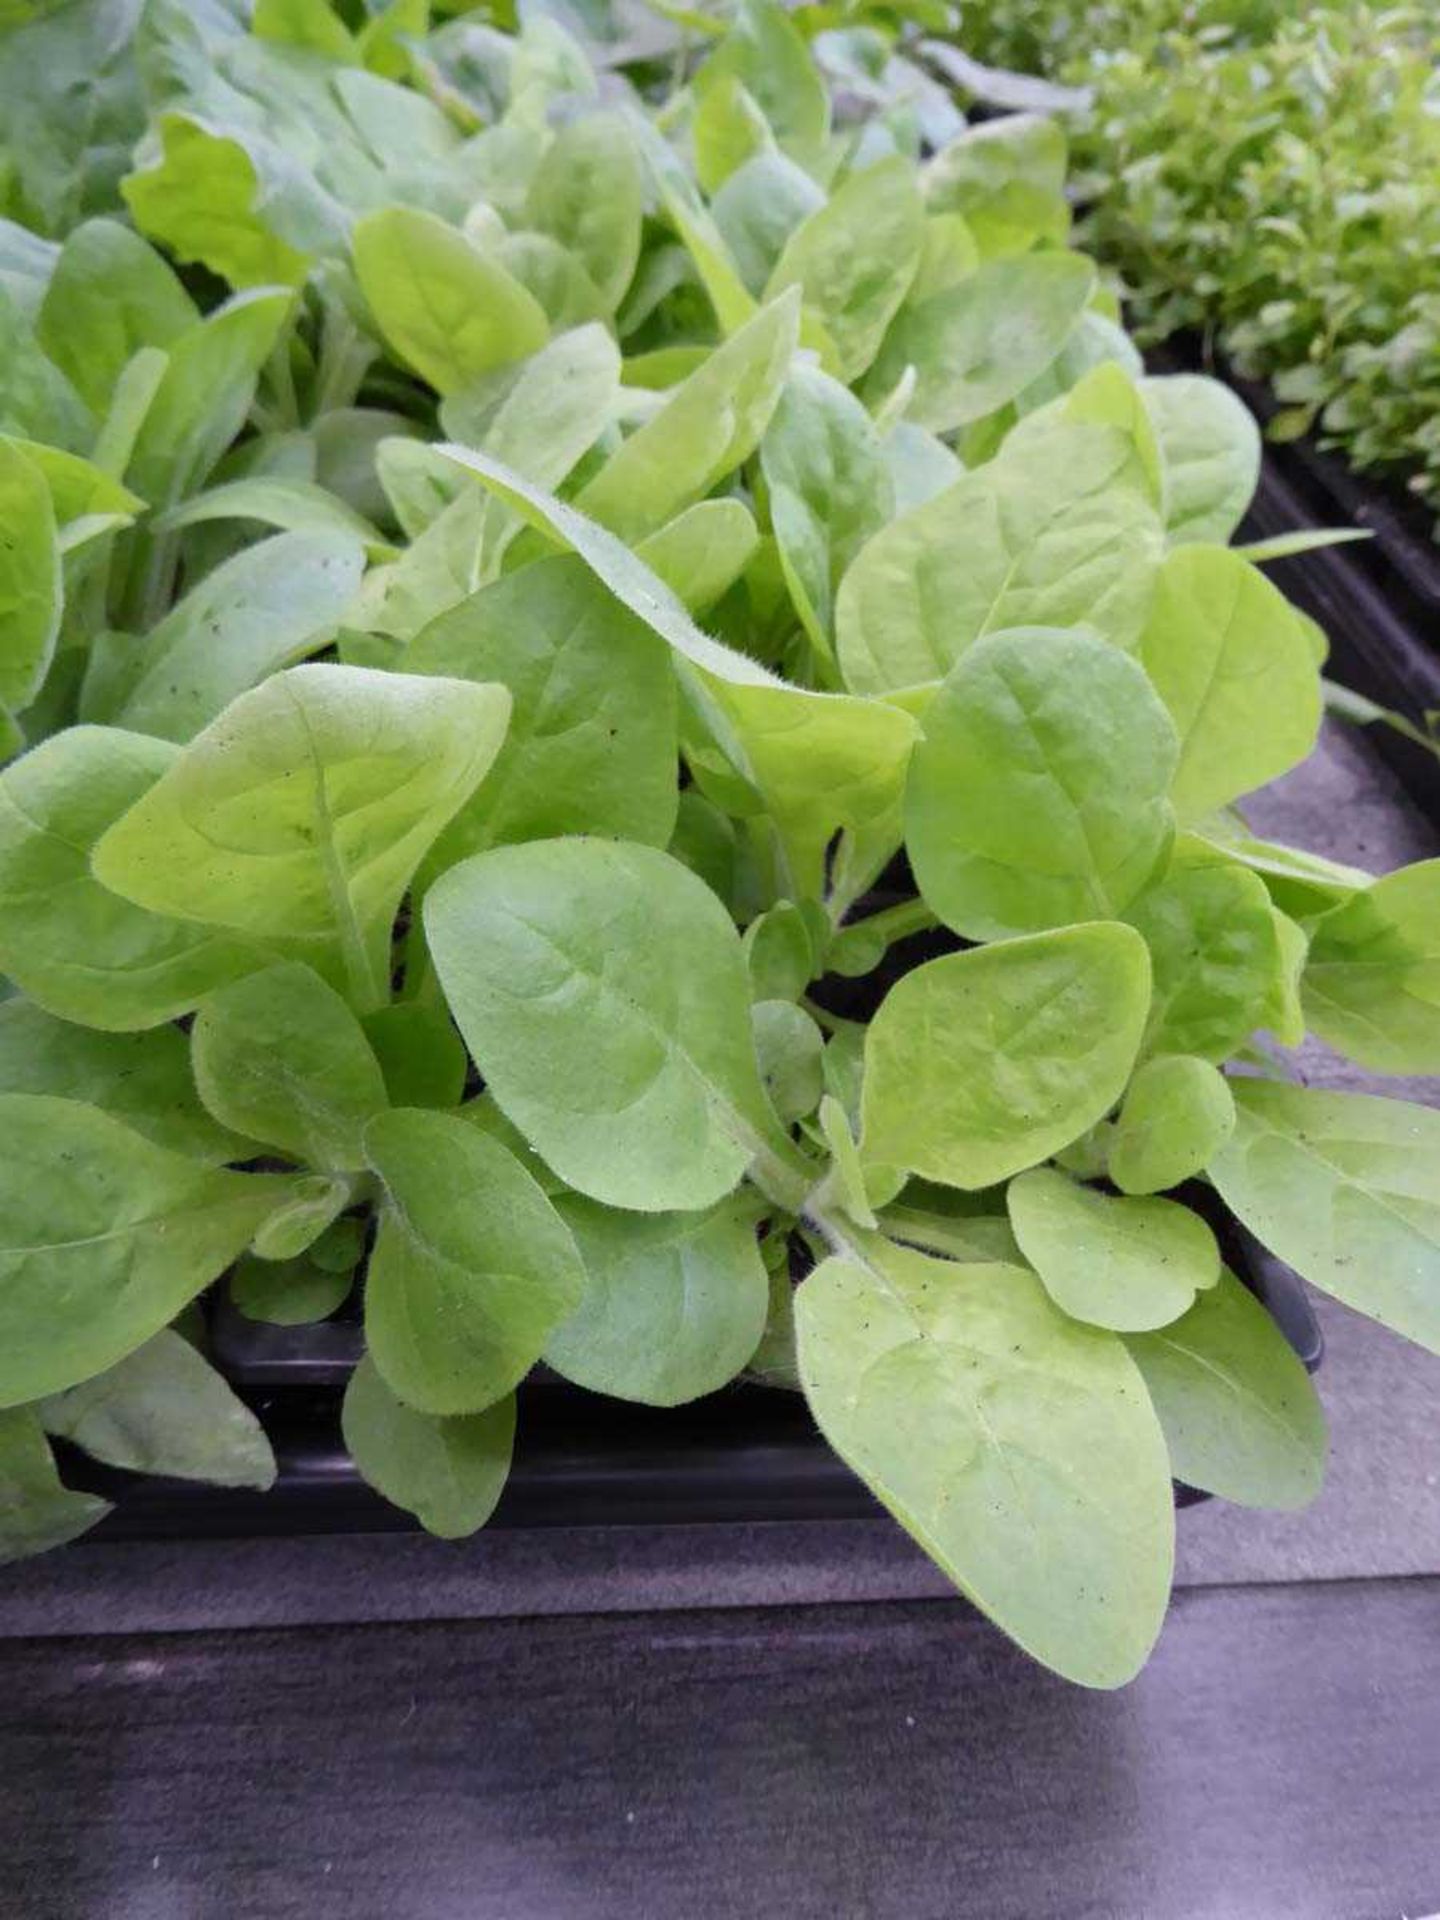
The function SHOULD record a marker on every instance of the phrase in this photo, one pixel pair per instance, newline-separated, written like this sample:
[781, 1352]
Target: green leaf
[472, 1268]
[1214, 956]
[315, 1202]
[586, 193]
[1342, 1187]
[1007, 177]
[1209, 452]
[31, 590]
[674, 1304]
[591, 745]
[1129, 1265]
[830, 490]
[420, 1053]
[449, 1473]
[1371, 984]
[204, 395]
[1178, 1113]
[143, 1079]
[710, 424]
[109, 296]
[1038, 793]
[1017, 1447]
[201, 194]
[105, 1237]
[1050, 533]
[758, 208]
[981, 1064]
[854, 258]
[728, 127]
[447, 310]
[1230, 659]
[79, 950]
[1239, 1414]
[982, 340]
[280, 1057]
[287, 1293]
[551, 275]
[294, 506]
[620, 962]
[36, 1511]
[303, 23]
[304, 810]
[164, 1409]
[262, 609]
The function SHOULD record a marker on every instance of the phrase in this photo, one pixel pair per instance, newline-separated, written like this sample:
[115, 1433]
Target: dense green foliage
[495, 570]
[1271, 176]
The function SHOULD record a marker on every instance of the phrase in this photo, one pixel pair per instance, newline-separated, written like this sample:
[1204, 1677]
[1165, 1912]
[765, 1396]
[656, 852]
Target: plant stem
[897, 922]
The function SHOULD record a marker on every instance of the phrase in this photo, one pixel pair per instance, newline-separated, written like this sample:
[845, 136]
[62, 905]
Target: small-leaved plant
[492, 695]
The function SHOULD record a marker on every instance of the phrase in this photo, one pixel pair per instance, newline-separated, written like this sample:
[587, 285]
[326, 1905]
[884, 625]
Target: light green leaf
[280, 1057]
[1214, 957]
[854, 258]
[1342, 1187]
[143, 1079]
[591, 746]
[1178, 1113]
[449, 1473]
[110, 295]
[1019, 1448]
[1007, 177]
[472, 1268]
[620, 962]
[766, 51]
[31, 590]
[447, 310]
[710, 424]
[586, 193]
[262, 609]
[1371, 984]
[1230, 659]
[551, 275]
[164, 1409]
[304, 810]
[1037, 795]
[79, 950]
[201, 194]
[727, 127]
[830, 490]
[1047, 534]
[1210, 454]
[1126, 1264]
[702, 552]
[103, 1238]
[36, 1511]
[981, 1064]
[788, 1045]
[982, 340]
[1239, 1414]
[674, 1305]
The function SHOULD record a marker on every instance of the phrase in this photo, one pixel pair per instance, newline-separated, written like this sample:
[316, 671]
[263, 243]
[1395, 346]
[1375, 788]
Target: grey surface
[1276, 1761]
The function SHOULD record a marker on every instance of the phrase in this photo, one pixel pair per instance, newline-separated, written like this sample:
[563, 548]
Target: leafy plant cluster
[524, 587]
[1272, 178]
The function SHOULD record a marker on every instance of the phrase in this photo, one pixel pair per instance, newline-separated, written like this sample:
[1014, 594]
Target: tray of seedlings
[625, 884]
